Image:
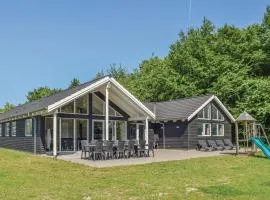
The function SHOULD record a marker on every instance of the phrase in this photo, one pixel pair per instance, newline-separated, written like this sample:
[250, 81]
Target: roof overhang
[97, 85]
[215, 98]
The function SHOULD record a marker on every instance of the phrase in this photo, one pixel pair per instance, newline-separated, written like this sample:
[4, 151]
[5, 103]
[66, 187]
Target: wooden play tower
[249, 128]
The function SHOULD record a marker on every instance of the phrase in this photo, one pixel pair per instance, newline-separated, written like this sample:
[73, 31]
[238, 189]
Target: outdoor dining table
[92, 146]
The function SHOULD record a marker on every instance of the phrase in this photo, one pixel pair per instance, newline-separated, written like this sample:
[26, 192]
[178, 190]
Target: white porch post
[107, 112]
[74, 128]
[55, 133]
[60, 134]
[75, 134]
[137, 132]
[146, 130]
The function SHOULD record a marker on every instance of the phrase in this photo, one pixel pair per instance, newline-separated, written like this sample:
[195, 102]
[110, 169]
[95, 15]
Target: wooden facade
[185, 134]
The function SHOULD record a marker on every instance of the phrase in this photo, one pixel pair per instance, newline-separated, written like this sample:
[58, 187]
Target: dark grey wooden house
[103, 109]
[180, 123]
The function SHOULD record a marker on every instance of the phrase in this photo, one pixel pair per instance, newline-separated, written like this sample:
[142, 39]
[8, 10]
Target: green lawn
[23, 176]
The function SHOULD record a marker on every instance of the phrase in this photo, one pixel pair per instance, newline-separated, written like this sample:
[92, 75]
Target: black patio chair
[220, 143]
[120, 152]
[202, 144]
[130, 149]
[213, 144]
[141, 149]
[151, 147]
[98, 150]
[84, 149]
[229, 144]
[108, 149]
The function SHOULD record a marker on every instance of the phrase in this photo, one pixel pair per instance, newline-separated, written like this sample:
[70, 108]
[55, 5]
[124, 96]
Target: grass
[23, 176]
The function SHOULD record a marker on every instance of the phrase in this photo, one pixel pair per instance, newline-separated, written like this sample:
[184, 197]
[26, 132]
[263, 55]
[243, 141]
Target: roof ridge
[182, 99]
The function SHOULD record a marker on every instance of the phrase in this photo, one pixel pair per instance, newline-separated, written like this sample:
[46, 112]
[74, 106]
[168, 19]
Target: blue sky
[47, 43]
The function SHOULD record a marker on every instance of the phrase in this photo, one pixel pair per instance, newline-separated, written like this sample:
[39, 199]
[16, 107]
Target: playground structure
[252, 133]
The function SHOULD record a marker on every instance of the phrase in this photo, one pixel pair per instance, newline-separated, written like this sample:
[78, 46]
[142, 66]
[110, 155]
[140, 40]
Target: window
[0, 129]
[81, 105]
[98, 130]
[217, 129]
[7, 129]
[69, 108]
[205, 113]
[220, 129]
[28, 127]
[13, 129]
[216, 114]
[220, 116]
[98, 106]
[67, 128]
[204, 129]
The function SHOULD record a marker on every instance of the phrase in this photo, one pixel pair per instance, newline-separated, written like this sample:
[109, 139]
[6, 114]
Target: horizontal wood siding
[195, 124]
[185, 134]
[175, 134]
[194, 128]
[20, 141]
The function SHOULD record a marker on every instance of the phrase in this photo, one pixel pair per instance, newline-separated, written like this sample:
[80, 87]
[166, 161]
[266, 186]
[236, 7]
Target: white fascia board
[207, 102]
[134, 99]
[78, 94]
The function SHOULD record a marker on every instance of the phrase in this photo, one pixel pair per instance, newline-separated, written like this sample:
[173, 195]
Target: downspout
[188, 134]
[35, 135]
[163, 134]
[163, 126]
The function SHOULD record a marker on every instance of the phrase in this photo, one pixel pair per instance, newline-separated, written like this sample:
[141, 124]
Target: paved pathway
[160, 156]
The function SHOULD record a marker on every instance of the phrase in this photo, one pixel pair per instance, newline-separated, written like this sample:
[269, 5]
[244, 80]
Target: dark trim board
[71, 115]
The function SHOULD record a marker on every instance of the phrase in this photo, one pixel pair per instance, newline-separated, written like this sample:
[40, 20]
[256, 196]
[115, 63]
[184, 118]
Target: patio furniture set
[212, 145]
[103, 150]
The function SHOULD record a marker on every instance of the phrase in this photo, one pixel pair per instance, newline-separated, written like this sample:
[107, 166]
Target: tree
[40, 92]
[7, 107]
[74, 83]
[230, 62]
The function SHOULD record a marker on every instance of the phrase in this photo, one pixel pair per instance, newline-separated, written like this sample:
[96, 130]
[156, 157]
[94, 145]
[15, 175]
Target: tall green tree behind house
[40, 92]
[230, 62]
[74, 83]
[7, 107]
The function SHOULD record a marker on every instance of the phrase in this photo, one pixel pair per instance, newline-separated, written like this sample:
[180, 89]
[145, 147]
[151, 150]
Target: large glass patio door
[67, 134]
[117, 130]
[81, 131]
[98, 130]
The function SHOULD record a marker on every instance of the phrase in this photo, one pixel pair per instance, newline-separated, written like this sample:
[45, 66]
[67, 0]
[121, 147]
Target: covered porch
[104, 111]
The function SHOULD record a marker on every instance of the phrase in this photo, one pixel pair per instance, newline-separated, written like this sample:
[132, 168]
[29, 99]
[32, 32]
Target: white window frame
[7, 133]
[13, 128]
[28, 134]
[218, 134]
[209, 112]
[203, 131]
[218, 114]
[1, 130]
[103, 127]
[217, 129]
